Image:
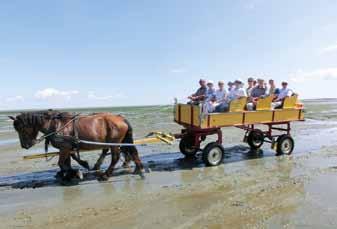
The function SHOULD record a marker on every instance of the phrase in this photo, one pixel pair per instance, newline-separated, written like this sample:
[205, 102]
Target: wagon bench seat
[191, 116]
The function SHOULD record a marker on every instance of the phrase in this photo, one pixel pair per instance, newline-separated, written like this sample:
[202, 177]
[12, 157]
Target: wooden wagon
[198, 125]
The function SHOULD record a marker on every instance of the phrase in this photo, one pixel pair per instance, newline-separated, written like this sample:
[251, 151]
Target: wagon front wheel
[255, 139]
[187, 146]
[212, 154]
[285, 145]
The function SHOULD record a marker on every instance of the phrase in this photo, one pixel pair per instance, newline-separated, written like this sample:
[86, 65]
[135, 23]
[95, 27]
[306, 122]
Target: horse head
[28, 125]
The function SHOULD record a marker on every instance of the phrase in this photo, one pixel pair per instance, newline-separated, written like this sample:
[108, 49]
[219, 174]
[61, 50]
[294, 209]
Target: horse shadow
[157, 162]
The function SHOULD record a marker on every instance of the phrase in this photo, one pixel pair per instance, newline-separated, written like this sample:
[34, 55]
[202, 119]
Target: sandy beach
[248, 190]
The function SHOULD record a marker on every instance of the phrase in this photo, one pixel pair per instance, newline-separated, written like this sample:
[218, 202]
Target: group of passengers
[218, 100]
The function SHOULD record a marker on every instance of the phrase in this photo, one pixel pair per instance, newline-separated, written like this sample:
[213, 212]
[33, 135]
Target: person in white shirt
[237, 92]
[210, 105]
[284, 92]
[221, 98]
[210, 90]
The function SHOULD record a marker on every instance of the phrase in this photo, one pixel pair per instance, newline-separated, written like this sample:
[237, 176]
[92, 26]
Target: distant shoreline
[128, 106]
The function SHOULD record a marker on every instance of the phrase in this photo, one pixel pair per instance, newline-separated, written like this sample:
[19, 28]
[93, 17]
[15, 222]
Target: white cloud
[52, 93]
[317, 75]
[329, 49]
[17, 98]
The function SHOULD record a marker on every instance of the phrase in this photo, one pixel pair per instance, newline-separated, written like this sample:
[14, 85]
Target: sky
[58, 54]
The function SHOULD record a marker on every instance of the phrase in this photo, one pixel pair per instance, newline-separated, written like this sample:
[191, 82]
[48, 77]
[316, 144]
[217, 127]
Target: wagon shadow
[176, 161]
[162, 162]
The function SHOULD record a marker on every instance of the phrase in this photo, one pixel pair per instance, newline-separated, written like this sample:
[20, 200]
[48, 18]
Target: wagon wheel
[285, 145]
[255, 139]
[187, 146]
[213, 154]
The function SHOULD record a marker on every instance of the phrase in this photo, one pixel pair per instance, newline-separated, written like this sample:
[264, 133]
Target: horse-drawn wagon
[198, 125]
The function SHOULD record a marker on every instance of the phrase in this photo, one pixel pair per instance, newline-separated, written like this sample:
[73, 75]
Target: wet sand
[258, 192]
[249, 190]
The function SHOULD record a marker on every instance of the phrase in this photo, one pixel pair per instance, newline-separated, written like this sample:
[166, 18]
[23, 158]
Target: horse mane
[33, 118]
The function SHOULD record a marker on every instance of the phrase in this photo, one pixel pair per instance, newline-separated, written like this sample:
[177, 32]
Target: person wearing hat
[259, 91]
[284, 92]
[200, 94]
[221, 98]
[250, 86]
[237, 92]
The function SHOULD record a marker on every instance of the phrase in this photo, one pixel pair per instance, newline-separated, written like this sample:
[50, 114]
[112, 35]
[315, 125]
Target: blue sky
[113, 53]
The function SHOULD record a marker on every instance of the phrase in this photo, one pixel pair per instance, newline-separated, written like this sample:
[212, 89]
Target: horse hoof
[79, 175]
[139, 172]
[102, 176]
[59, 175]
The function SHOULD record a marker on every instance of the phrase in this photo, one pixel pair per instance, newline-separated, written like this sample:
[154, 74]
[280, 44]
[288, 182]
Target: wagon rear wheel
[212, 154]
[187, 146]
[255, 139]
[285, 145]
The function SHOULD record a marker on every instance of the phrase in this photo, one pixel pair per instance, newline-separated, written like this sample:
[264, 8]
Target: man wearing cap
[221, 98]
[200, 94]
[250, 86]
[284, 92]
[237, 92]
[259, 91]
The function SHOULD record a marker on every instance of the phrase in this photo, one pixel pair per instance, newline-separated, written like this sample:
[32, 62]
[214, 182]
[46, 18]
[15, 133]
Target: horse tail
[131, 152]
[128, 150]
[129, 134]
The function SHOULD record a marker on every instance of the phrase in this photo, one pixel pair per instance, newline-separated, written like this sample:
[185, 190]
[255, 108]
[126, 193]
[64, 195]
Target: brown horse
[99, 127]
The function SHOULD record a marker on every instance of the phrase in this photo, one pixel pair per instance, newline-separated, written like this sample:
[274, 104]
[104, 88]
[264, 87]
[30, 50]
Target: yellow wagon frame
[198, 125]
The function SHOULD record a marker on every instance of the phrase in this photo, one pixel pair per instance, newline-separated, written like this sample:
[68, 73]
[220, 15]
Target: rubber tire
[186, 146]
[252, 137]
[209, 150]
[280, 140]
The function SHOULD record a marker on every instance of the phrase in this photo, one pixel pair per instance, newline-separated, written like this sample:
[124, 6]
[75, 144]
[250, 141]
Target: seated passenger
[272, 88]
[210, 90]
[250, 86]
[221, 98]
[200, 94]
[209, 106]
[230, 86]
[237, 92]
[283, 93]
[258, 92]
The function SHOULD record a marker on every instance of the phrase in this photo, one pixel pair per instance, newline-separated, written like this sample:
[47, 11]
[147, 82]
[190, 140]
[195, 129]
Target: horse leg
[100, 160]
[65, 165]
[135, 157]
[115, 154]
[127, 157]
[83, 163]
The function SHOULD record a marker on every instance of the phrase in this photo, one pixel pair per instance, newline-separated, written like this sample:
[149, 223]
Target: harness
[67, 141]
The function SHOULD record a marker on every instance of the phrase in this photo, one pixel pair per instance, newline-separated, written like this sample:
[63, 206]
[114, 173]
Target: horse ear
[12, 118]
